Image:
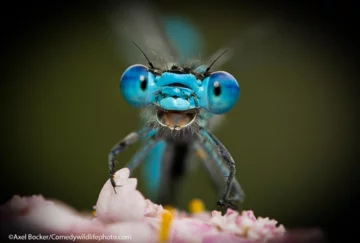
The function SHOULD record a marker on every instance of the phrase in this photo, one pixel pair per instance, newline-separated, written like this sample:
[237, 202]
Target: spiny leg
[217, 171]
[219, 154]
[231, 163]
[124, 144]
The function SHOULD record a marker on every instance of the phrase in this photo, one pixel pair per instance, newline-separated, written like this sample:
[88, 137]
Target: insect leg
[141, 153]
[218, 154]
[217, 171]
[124, 144]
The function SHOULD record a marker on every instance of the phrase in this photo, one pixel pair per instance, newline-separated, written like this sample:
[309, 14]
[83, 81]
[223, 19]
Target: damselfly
[179, 98]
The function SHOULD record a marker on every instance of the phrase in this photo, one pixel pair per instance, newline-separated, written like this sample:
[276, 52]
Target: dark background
[293, 132]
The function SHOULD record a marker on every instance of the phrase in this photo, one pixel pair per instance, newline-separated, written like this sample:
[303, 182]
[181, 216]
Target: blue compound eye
[134, 85]
[223, 92]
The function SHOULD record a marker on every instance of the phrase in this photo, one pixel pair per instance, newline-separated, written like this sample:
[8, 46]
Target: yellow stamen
[170, 208]
[196, 206]
[165, 224]
[93, 212]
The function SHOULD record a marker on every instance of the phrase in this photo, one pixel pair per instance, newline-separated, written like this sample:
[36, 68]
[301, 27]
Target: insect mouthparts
[175, 120]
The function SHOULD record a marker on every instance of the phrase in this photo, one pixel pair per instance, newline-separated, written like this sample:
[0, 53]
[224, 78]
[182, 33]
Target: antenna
[150, 64]
[208, 69]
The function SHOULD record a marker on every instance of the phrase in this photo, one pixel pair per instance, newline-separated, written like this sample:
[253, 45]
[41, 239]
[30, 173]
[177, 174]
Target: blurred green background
[290, 133]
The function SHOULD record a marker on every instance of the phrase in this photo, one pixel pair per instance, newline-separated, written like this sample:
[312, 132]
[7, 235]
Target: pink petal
[152, 209]
[224, 237]
[203, 216]
[18, 205]
[227, 222]
[35, 214]
[249, 214]
[189, 230]
[217, 219]
[246, 225]
[138, 231]
[126, 204]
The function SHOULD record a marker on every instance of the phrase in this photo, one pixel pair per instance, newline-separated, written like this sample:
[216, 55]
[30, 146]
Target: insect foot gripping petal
[113, 183]
[118, 148]
[224, 204]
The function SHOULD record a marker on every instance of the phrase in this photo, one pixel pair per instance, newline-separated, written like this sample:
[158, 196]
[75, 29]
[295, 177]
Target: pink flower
[128, 213]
